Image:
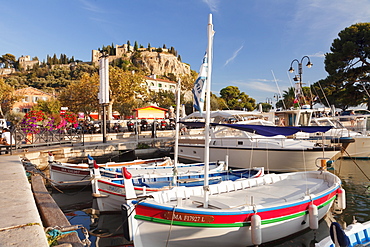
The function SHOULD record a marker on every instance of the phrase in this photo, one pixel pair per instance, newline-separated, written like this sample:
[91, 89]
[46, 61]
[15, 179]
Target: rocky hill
[160, 63]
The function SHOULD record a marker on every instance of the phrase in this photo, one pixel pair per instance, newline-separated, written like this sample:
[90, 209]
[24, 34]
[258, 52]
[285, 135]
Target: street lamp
[298, 78]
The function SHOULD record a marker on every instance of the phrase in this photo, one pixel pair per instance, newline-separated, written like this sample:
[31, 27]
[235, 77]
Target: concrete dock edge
[20, 223]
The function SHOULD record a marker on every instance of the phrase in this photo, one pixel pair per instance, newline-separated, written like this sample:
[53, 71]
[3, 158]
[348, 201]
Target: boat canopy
[265, 130]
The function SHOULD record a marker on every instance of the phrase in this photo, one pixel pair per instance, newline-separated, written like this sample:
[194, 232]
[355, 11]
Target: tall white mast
[208, 112]
[176, 154]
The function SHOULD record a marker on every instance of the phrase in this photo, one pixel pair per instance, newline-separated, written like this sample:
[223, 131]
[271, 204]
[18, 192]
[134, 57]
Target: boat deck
[277, 190]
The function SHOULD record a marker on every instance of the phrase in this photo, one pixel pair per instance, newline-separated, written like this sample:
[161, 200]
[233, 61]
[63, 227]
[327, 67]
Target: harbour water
[106, 230]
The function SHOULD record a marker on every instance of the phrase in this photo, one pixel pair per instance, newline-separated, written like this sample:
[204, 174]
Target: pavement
[20, 223]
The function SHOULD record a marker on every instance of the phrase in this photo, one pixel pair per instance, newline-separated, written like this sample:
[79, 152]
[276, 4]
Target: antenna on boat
[278, 88]
[368, 95]
[290, 80]
[323, 94]
[208, 112]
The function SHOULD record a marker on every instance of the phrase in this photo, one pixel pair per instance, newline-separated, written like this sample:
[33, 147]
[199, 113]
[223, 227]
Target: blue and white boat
[356, 234]
[110, 193]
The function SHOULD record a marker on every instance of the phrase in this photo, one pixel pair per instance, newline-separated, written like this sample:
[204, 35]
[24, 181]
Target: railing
[45, 137]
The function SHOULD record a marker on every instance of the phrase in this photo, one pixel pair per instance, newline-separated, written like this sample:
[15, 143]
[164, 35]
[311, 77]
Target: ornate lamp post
[298, 78]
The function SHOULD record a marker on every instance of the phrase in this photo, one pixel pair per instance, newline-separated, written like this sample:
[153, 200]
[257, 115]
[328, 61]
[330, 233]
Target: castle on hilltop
[121, 51]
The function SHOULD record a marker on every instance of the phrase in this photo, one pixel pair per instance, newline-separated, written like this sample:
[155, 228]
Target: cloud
[234, 55]
[212, 4]
[257, 84]
[320, 17]
[87, 5]
[317, 54]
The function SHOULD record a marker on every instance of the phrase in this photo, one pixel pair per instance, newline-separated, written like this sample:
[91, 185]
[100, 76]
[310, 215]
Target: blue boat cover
[336, 232]
[265, 130]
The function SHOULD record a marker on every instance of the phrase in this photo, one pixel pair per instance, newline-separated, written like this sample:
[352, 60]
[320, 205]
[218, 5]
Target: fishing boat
[73, 175]
[231, 213]
[240, 213]
[110, 193]
[356, 234]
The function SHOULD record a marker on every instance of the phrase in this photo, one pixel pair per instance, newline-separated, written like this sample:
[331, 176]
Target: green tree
[8, 61]
[237, 100]
[348, 66]
[163, 98]
[50, 106]
[7, 98]
[81, 95]
[126, 88]
[266, 107]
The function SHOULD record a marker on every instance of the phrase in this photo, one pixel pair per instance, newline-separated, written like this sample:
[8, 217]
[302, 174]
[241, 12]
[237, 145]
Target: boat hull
[68, 176]
[75, 175]
[359, 149]
[217, 236]
[278, 160]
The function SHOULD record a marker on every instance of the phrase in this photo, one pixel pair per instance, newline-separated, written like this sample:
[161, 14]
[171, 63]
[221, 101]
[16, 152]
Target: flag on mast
[199, 89]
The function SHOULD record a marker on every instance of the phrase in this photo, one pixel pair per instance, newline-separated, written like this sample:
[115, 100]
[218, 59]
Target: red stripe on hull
[237, 218]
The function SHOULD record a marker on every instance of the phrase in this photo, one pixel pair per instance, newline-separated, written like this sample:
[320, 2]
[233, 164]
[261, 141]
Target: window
[159, 84]
[35, 99]
[26, 99]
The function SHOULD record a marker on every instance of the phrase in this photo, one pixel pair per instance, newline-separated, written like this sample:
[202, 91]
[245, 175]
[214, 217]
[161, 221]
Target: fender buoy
[341, 199]
[313, 215]
[126, 174]
[256, 229]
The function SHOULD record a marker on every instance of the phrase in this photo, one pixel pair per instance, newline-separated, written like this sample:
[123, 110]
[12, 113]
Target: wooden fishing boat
[356, 234]
[73, 175]
[240, 213]
[110, 193]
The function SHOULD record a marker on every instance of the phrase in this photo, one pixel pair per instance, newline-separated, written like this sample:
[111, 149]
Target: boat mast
[208, 112]
[177, 129]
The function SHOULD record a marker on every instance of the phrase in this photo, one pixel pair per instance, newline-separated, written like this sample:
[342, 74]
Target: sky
[255, 41]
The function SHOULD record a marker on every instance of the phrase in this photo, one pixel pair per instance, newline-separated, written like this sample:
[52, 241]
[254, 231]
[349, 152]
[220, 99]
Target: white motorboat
[275, 152]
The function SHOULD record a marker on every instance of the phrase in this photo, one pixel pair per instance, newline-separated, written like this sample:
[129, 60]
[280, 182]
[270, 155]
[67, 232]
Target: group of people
[6, 137]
